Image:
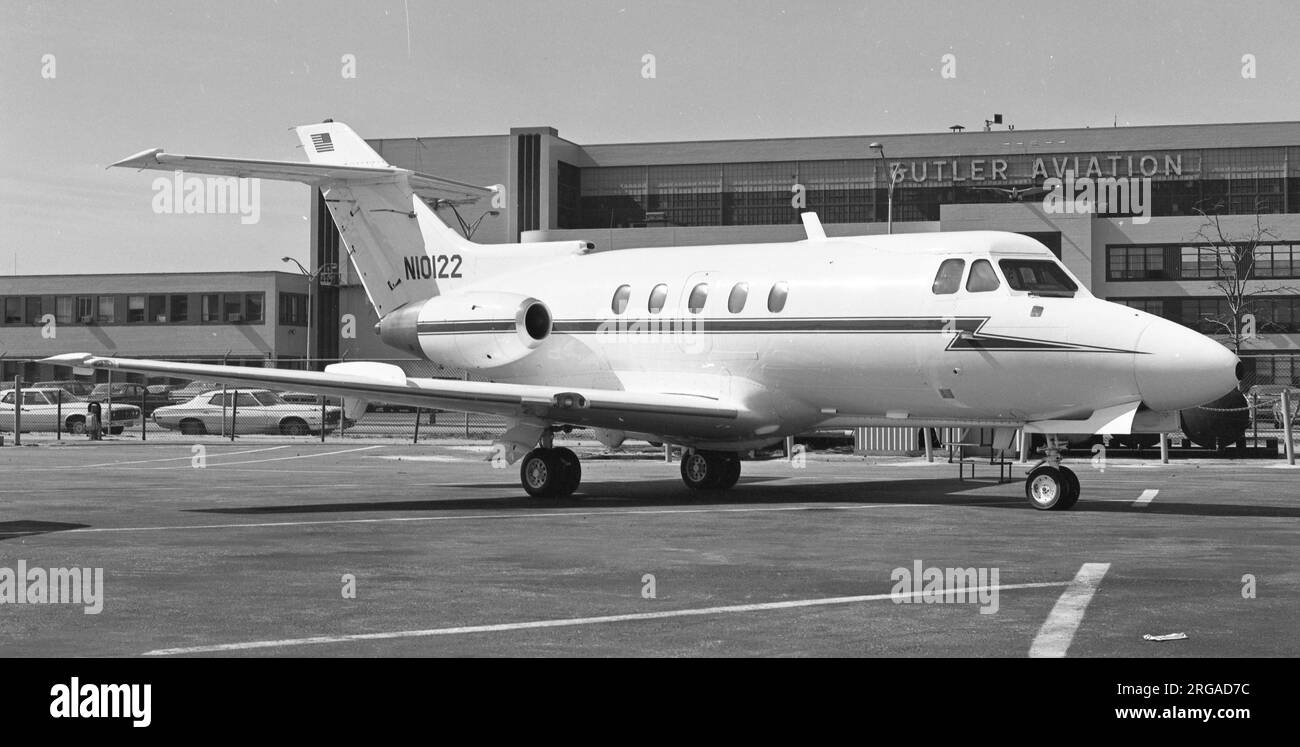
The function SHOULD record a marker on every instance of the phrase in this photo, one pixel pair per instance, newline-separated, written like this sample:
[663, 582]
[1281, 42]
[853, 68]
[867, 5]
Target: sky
[84, 84]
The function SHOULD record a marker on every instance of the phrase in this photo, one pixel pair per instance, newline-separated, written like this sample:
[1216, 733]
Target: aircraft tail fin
[402, 251]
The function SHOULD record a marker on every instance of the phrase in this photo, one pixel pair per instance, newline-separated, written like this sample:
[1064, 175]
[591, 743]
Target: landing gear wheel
[702, 471]
[1047, 488]
[550, 473]
[572, 468]
[1073, 489]
[730, 473]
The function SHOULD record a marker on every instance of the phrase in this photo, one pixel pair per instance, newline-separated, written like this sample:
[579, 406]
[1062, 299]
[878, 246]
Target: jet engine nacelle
[475, 329]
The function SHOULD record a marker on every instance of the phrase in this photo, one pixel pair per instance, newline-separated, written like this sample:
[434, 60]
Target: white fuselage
[861, 336]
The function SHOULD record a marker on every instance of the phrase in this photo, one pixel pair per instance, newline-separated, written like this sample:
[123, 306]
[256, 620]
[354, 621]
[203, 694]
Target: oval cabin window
[736, 301]
[657, 298]
[777, 296]
[619, 303]
[699, 294]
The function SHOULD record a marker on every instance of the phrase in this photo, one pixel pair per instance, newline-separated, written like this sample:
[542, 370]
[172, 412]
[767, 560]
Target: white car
[252, 410]
[41, 411]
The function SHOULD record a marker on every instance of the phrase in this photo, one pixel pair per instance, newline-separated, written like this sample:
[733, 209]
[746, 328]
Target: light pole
[889, 216]
[311, 285]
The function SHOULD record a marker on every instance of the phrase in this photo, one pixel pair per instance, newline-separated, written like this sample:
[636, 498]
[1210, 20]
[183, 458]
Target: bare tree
[1234, 255]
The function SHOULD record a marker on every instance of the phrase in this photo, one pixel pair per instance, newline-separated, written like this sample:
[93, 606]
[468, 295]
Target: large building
[242, 318]
[724, 191]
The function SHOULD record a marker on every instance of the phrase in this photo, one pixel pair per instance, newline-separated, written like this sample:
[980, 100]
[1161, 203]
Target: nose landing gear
[1050, 486]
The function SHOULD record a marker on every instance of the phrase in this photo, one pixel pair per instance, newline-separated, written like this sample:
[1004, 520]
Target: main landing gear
[703, 470]
[550, 472]
[1050, 486]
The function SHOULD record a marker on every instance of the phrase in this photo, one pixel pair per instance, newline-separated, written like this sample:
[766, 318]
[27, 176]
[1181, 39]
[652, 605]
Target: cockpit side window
[1039, 276]
[948, 279]
[982, 277]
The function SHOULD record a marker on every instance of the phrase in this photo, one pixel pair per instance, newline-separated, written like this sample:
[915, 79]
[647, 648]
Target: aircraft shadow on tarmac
[12, 529]
[753, 491]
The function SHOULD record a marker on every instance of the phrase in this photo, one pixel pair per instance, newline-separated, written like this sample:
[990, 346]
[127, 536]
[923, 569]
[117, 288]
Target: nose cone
[1179, 368]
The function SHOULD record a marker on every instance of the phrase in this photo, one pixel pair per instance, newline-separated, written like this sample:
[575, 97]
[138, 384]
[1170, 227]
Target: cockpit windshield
[1041, 277]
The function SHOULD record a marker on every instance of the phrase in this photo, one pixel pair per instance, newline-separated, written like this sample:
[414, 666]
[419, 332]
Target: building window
[211, 311]
[1149, 305]
[658, 296]
[135, 309]
[777, 296]
[293, 309]
[253, 307]
[180, 308]
[232, 308]
[13, 310]
[34, 314]
[85, 309]
[736, 301]
[157, 309]
[1136, 263]
[619, 303]
[1277, 261]
[65, 309]
[107, 313]
[1206, 262]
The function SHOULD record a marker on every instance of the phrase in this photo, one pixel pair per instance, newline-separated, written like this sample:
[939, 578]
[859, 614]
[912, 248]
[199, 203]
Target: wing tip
[139, 160]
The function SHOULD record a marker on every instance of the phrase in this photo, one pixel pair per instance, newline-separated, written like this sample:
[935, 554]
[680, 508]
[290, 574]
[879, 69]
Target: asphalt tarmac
[372, 548]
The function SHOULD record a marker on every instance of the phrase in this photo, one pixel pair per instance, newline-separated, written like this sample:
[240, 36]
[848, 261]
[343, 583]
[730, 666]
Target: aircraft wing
[426, 186]
[384, 382]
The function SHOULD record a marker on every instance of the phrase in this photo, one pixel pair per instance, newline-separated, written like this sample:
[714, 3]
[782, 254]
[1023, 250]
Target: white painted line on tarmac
[273, 459]
[1146, 497]
[567, 622]
[1054, 638]
[473, 517]
[187, 457]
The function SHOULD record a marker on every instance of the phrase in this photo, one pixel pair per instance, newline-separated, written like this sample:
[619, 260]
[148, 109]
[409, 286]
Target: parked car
[41, 411]
[301, 398]
[1269, 397]
[190, 391]
[135, 394]
[77, 389]
[252, 410]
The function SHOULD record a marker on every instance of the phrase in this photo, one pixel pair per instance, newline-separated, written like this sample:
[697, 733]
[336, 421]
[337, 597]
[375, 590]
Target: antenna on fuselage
[812, 225]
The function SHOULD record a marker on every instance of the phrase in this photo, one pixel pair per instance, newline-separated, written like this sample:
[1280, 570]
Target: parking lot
[248, 551]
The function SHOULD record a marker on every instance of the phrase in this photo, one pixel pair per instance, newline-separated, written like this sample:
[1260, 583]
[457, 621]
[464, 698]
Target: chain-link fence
[140, 407]
[151, 408]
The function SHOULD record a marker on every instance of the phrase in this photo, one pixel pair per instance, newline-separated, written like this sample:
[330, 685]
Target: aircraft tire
[730, 473]
[1072, 483]
[1046, 488]
[572, 469]
[699, 470]
[542, 474]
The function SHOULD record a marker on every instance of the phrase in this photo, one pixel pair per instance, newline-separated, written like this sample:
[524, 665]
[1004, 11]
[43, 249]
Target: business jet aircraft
[722, 349]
